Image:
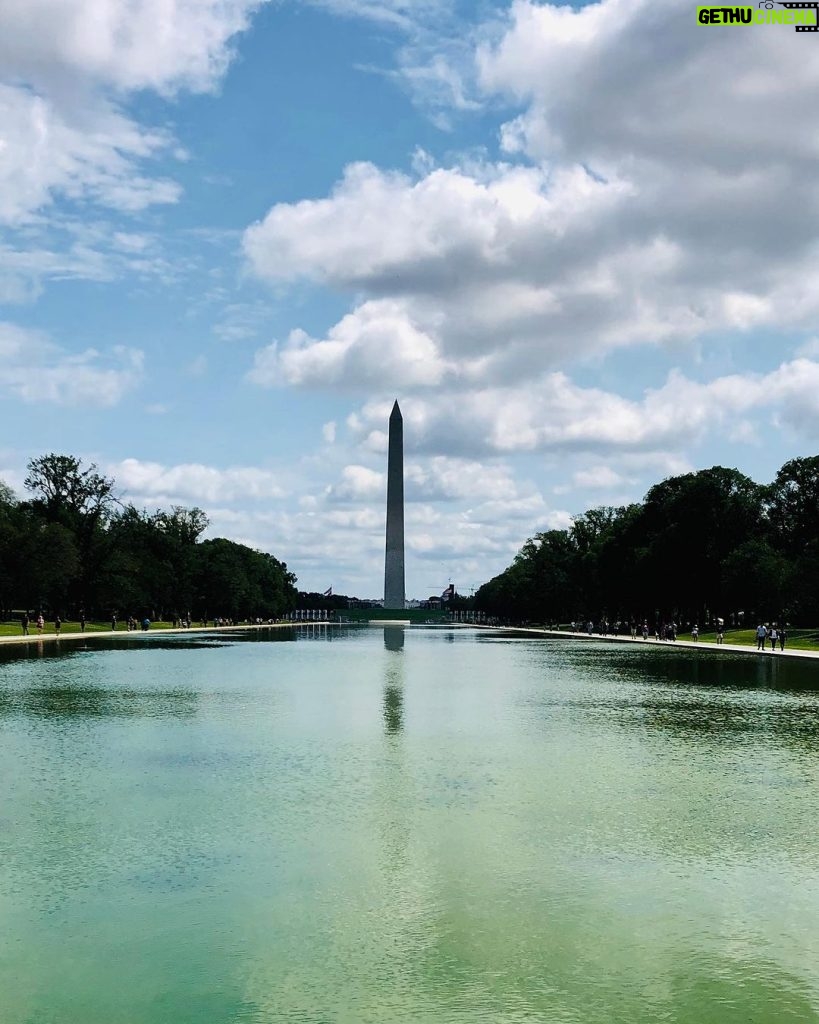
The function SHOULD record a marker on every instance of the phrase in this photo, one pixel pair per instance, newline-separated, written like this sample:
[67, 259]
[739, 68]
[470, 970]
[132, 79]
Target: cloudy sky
[578, 243]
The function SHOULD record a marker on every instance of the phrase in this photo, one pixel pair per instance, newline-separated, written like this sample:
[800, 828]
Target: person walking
[782, 637]
[695, 633]
[113, 621]
[82, 621]
[58, 624]
[24, 620]
[40, 624]
[774, 637]
[645, 629]
[761, 635]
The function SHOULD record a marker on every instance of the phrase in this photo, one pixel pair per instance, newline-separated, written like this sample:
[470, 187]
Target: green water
[382, 827]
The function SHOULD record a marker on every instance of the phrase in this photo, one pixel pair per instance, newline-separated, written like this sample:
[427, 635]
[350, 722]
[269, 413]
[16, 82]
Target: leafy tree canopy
[699, 545]
[72, 545]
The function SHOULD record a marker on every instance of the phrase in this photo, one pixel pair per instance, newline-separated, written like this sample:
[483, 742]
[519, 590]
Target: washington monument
[394, 560]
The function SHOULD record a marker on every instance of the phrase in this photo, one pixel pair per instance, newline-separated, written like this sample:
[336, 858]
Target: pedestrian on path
[24, 620]
[761, 634]
[774, 637]
[782, 637]
[58, 624]
[40, 624]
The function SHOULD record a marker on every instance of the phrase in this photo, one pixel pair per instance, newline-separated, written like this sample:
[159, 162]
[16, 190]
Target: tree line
[700, 545]
[73, 547]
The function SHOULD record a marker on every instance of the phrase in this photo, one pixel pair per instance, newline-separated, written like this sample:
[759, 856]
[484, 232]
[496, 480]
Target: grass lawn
[799, 639]
[15, 629]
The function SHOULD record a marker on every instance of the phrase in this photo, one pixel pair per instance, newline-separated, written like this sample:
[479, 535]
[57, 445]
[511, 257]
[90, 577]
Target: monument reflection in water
[394, 681]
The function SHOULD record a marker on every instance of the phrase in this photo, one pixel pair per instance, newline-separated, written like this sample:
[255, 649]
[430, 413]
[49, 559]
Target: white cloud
[357, 519]
[598, 477]
[367, 347]
[794, 388]
[241, 320]
[388, 233]
[433, 61]
[90, 154]
[551, 413]
[441, 478]
[623, 473]
[155, 482]
[163, 45]
[474, 279]
[626, 78]
[660, 463]
[328, 432]
[437, 478]
[401, 14]
[497, 271]
[67, 248]
[359, 483]
[131, 242]
[67, 65]
[36, 370]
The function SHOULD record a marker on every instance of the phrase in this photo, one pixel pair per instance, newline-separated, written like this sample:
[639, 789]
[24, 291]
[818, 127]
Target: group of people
[773, 633]
[39, 622]
[668, 631]
[131, 623]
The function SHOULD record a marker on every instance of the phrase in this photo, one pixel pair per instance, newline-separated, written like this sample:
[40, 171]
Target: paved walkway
[566, 634]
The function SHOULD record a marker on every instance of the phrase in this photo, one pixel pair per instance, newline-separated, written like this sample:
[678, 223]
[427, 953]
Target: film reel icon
[798, 5]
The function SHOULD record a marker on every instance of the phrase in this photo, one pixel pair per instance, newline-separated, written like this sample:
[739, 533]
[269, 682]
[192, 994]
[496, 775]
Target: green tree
[237, 582]
[8, 499]
[793, 505]
[52, 562]
[692, 523]
[81, 501]
[539, 585]
[759, 580]
[670, 555]
[68, 493]
[9, 546]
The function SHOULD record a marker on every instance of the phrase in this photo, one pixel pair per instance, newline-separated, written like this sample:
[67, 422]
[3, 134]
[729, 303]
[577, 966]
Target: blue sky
[574, 242]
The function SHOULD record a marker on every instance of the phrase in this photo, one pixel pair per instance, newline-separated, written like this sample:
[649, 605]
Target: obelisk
[394, 560]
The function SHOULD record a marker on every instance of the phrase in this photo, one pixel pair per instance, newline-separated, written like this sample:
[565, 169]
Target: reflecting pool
[369, 826]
